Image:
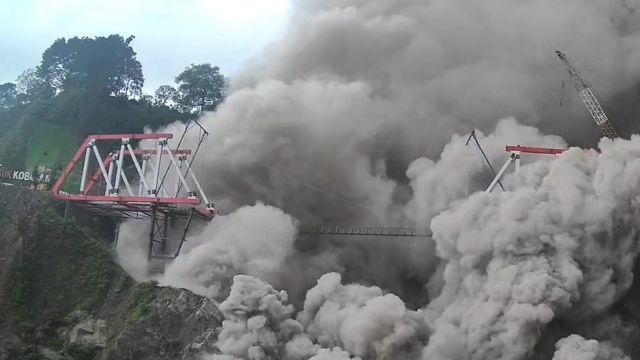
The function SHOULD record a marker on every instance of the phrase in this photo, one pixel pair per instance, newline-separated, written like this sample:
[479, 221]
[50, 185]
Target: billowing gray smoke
[576, 347]
[253, 240]
[563, 243]
[325, 123]
[560, 244]
[359, 114]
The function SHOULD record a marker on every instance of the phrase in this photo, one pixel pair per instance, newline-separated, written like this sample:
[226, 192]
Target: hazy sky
[170, 35]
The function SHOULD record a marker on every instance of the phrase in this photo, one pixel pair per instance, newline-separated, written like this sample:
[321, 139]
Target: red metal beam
[130, 136]
[67, 170]
[534, 150]
[153, 152]
[206, 213]
[127, 199]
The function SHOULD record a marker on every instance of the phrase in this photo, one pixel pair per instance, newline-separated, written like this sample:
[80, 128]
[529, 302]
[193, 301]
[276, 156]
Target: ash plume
[326, 121]
[560, 245]
[362, 320]
[577, 347]
[359, 115]
[517, 260]
[253, 240]
[259, 322]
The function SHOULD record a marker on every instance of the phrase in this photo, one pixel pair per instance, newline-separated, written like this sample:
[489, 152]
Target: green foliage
[164, 95]
[101, 65]
[138, 304]
[49, 130]
[200, 86]
[79, 352]
[8, 119]
[13, 146]
[30, 353]
[55, 344]
[91, 86]
[20, 293]
[63, 268]
[8, 95]
[31, 87]
[44, 145]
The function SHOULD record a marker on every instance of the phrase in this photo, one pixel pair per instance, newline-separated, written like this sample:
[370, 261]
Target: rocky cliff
[63, 297]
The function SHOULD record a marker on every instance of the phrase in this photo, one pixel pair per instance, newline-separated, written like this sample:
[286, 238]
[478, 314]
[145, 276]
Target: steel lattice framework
[589, 97]
[156, 183]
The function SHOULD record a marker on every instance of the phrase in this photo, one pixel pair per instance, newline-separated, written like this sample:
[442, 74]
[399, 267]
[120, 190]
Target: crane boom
[589, 98]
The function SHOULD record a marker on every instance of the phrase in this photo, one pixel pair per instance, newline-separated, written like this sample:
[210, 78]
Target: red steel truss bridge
[154, 181]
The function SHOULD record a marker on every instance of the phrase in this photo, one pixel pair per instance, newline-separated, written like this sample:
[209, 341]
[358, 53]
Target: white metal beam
[177, 168]
[106, 176]
[119, 167]
[161, 144]
[142, 185]
[143, 180]
[500, 173]
[85, 167]
[195, 180]
[154, 171]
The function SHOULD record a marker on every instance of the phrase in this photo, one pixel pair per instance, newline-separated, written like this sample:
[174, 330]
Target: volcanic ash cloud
[517, 260]
[337, 322]
[254, 240]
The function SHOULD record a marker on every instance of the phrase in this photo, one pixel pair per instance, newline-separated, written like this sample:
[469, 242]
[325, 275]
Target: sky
[169, 35]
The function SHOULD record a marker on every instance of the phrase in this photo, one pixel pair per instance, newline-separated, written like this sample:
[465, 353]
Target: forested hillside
[92, 85]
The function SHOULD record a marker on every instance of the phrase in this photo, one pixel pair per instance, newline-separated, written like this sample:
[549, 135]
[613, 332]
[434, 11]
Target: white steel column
[177, 168]
[109, 188]
[85, 167]
[162, 188]
[161, 144]
[176, 179]
[143, 177]
[500, 173]
[126, 183]
[140, 170]
[107, 177]
[195, 180]
[119, 166]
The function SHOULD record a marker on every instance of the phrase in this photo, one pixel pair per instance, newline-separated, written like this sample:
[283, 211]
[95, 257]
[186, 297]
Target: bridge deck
[361, 230]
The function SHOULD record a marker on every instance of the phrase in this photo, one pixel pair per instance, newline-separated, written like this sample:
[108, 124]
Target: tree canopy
[165, 94]
[31, 86]
[8, 95]
[101, 65]
[200, 87]
[92, 85]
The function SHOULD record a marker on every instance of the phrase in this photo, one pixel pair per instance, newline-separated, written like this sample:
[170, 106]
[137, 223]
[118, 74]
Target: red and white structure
[133, 181]
[157, 183]
[514, 156]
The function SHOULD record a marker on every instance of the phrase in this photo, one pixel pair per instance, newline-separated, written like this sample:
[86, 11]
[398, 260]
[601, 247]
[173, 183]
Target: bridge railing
[361, 230]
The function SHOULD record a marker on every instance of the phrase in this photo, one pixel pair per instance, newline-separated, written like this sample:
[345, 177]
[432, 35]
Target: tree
[200, 86]
[102, 65]
[164, 95]
[31, 86]
[8, 95]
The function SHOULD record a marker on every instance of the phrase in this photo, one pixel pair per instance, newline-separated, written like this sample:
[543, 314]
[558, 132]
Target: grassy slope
[50, 145]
